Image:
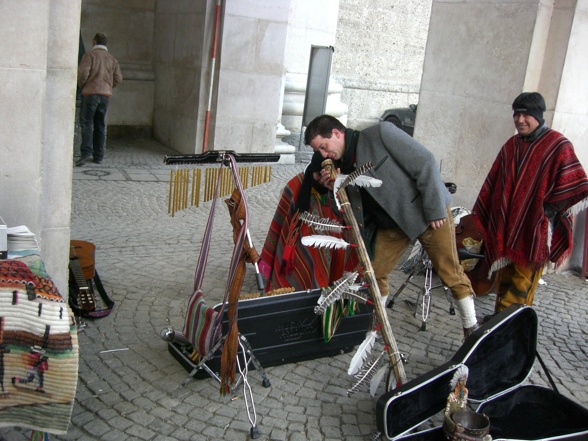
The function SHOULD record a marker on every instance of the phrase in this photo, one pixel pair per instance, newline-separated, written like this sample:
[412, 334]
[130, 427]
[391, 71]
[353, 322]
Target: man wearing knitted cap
[526, 205]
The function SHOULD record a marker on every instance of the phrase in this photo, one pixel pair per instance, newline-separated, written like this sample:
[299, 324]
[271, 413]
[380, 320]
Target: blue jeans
[93, 122]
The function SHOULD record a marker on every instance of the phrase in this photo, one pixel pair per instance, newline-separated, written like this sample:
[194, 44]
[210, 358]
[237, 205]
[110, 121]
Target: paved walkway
[130, 386]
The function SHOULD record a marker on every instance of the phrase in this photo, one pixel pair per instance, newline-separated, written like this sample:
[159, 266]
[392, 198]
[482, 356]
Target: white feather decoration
[355, 178]
[415, 256]
[362, 352]
[343, 181]
[334, 293]
[461, 373]
[367, 374]
[319, 240]
[377, 379]
[353, 294]
[336, 186]
[361, 170]
[367, 181]
[321, 224]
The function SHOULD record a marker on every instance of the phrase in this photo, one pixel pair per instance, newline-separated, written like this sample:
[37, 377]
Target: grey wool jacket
[412, 191]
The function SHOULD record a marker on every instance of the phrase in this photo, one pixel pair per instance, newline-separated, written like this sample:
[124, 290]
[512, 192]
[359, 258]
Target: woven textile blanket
[38, 356]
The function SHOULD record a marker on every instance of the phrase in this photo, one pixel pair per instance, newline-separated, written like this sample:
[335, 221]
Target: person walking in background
[525, 207]
[98, 74]
[413, 202]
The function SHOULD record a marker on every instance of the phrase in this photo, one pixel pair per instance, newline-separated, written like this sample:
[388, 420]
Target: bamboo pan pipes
[380, 311]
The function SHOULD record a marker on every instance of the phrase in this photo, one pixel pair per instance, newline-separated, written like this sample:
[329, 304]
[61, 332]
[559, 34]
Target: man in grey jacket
[98, 74]
[412, 203]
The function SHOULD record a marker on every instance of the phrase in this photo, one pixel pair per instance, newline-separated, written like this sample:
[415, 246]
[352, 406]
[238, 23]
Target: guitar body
[85, 253]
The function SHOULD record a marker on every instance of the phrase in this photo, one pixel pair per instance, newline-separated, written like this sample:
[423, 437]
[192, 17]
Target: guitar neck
[85, 295]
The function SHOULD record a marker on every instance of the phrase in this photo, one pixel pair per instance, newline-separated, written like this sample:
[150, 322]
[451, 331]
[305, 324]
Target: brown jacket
[98, 72]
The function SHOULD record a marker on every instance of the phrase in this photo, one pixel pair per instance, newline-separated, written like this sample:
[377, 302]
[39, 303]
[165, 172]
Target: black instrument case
[499, 357]
[285, 329]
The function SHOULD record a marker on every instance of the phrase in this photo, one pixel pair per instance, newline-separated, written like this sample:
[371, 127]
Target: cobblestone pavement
[146, 259]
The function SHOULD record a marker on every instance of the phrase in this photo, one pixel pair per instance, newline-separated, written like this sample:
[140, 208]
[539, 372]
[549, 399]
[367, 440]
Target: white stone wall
[571, 107]
[164, 50]
[181, 37]
[379, 53]
[250, 75]
[38, 60]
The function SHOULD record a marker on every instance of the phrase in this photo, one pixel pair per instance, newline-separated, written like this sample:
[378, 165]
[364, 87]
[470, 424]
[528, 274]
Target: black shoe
[469, 331]
[97, 161]
[487, 318]
[82, 160]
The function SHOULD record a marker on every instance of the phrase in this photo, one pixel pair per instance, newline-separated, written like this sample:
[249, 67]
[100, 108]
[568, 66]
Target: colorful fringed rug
[38, 354]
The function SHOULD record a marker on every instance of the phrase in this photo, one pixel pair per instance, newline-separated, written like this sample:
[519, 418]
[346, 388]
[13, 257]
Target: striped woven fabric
[200, 326]
[529, 183]
[296, 265]
[14, 272]
[38, 359]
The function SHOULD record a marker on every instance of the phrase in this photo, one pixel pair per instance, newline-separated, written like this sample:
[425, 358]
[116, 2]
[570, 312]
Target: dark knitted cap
[531, 103]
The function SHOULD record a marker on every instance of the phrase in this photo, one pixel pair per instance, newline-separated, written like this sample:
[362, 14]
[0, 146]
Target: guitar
[81, 267]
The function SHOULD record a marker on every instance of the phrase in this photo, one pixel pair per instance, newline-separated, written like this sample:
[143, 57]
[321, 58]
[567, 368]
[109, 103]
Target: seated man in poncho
[286, 262]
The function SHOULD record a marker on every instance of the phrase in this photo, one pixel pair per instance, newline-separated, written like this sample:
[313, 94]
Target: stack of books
[21, 239]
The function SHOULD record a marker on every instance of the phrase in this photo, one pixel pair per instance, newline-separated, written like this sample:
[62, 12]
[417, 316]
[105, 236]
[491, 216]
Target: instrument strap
[203, 257]
[105, 299]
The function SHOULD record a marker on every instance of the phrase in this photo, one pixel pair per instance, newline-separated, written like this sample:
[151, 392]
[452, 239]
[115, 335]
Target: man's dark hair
[100, 38]
[529, 101]
[322, 126]
[308, 183]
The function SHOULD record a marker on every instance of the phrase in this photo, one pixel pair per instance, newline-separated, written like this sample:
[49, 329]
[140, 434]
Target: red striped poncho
[527, 202]
[285, 261]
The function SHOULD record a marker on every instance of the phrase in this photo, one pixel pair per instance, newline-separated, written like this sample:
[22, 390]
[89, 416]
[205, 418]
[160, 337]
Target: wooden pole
[370, 278]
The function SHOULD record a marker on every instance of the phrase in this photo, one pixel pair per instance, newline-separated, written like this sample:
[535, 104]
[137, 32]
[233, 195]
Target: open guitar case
[499, 357]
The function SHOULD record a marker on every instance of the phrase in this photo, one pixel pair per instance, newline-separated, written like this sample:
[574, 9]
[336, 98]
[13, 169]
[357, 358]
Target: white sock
[467, 311]
[384, 300]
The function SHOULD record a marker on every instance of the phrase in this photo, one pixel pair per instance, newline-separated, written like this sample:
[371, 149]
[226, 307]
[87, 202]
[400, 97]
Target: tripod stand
[424, 298]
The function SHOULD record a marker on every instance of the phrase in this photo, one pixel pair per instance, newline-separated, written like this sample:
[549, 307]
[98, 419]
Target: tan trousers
[516, 284]
[440, 247]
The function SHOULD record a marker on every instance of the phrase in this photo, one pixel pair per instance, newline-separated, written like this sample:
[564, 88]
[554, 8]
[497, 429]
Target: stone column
[285, 150]
[38, 72]
[293, 105]
[250, 75]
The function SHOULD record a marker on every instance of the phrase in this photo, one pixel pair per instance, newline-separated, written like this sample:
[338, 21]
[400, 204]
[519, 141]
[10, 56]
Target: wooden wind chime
[185, 184]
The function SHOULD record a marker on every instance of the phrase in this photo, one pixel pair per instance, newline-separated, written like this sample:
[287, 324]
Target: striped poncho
[527, 202]
[285, 262]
